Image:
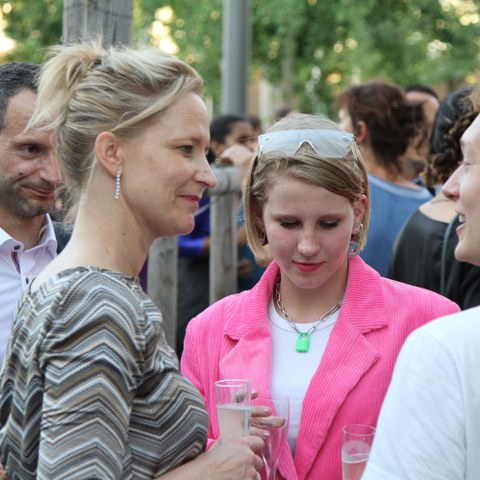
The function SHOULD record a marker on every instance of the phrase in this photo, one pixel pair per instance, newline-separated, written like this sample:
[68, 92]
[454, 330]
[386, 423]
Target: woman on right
[320, 326]
[429, 426]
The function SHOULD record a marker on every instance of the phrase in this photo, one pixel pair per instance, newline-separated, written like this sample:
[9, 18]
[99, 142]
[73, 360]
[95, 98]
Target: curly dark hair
[391, 119]
[454, 116]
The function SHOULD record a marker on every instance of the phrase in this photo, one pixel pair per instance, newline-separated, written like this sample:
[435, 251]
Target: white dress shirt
[18, 267]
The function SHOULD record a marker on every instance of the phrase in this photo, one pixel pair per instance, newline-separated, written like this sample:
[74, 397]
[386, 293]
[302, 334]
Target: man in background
[29, 176]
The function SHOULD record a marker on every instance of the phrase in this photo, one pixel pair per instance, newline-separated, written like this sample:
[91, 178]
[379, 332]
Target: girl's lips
[307, 267]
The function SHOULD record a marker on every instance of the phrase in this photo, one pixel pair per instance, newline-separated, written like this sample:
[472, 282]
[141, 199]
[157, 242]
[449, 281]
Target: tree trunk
[111, 20]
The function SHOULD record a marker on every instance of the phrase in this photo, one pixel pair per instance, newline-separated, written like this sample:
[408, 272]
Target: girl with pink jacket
[320, 326]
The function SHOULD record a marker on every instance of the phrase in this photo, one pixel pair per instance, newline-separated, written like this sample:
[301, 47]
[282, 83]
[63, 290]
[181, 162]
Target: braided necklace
[303, 340]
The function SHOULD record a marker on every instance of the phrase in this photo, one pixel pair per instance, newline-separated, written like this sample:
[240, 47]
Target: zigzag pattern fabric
[89, 387]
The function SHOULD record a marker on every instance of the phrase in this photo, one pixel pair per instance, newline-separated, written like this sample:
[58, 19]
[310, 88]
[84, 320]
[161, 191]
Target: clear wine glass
[233, 408]
[356, 444]
[277, 427]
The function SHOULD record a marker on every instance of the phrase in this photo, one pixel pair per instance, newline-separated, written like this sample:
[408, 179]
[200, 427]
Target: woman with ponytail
[89, 387]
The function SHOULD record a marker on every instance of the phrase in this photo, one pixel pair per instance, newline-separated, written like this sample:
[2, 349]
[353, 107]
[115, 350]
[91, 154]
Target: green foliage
[332, 43]
[196, 28]
[34, 25]
[336, 43]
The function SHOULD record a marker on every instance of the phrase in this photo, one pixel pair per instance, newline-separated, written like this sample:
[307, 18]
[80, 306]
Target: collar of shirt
[47, 242]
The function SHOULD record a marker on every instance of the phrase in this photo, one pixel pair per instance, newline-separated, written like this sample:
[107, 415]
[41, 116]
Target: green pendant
[303, 342]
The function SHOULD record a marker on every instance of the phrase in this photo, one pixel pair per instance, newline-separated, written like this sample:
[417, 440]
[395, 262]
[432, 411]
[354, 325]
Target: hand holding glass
[356, 444]
[277, 427]
[233, 408]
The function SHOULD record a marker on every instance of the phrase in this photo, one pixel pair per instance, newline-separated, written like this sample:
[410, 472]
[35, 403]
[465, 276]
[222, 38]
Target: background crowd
[340, 224]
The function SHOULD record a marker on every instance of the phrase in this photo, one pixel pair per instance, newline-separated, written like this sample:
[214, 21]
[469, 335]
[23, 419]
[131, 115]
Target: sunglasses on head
[325, 143]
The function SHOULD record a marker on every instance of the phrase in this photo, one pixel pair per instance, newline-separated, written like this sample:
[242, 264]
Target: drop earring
[118, 178]
[354, 246]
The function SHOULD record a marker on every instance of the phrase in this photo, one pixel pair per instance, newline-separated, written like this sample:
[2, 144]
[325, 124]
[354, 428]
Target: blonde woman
[90, 389]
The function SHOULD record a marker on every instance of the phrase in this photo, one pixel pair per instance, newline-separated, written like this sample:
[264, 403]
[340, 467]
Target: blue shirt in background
[391, 206]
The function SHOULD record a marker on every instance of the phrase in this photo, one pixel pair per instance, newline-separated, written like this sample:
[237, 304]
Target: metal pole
[236, 55]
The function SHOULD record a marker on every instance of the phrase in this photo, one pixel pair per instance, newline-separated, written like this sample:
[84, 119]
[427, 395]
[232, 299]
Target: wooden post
[223, 233]
[90, 19]
[162, 282]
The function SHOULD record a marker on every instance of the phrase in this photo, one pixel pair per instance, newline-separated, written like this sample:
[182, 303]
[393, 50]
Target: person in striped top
[89, 387]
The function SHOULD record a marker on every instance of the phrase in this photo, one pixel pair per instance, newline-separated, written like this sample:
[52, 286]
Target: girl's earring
[354, 246]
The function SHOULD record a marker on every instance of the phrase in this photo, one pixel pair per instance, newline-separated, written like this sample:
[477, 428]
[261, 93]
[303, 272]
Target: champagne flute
[356, 444]
[233, 408]
[277, 426]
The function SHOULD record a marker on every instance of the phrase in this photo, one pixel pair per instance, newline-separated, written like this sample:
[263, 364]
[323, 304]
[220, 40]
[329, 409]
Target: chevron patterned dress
[89, 388]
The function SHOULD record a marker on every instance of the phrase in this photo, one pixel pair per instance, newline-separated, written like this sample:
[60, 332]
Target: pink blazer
[231, 339]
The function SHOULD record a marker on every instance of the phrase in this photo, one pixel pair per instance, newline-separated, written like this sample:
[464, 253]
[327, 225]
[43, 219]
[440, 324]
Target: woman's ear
[362, 130]
[109, 152]
[359, 207]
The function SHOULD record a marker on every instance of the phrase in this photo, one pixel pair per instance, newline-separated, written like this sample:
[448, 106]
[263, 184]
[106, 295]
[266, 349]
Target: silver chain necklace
[303, 340]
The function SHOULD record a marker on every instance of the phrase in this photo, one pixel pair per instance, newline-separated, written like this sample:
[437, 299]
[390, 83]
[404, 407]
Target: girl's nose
[308, 245]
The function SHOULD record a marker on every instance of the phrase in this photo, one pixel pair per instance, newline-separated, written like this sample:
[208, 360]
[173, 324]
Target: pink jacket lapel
[252, 351]
[347, 358]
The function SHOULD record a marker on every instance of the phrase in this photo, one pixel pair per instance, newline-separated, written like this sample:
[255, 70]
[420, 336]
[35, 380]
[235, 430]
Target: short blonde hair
[346, 176]
[86, 89]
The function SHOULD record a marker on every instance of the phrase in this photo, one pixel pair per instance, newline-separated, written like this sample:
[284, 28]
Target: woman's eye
[186, 148]
[288, 224]
[329, 224]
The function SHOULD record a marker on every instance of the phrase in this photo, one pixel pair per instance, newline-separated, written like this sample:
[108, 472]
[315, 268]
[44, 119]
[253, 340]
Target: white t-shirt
[429, 425]
[18, 267]
[292, 370]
